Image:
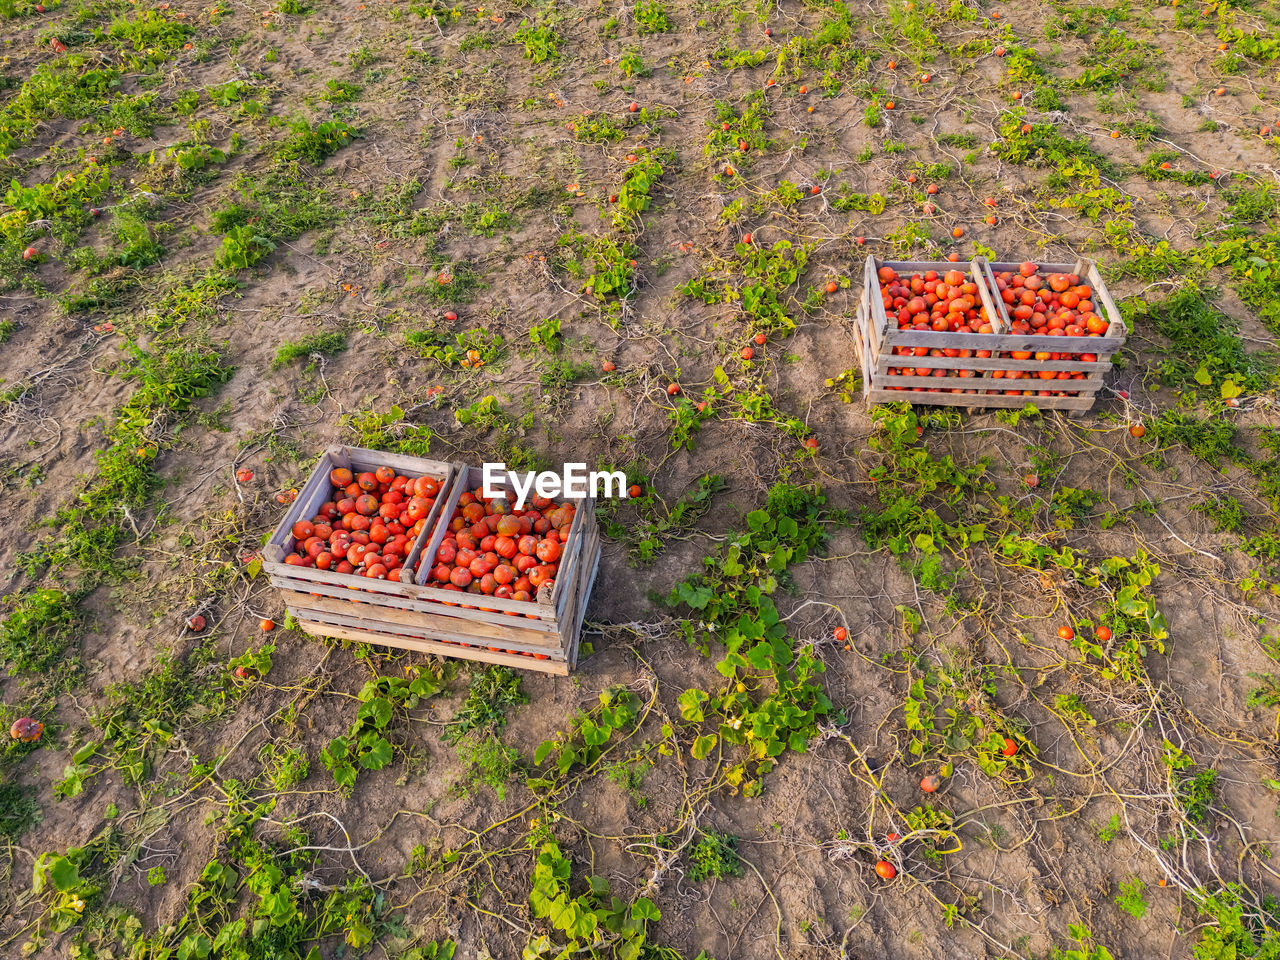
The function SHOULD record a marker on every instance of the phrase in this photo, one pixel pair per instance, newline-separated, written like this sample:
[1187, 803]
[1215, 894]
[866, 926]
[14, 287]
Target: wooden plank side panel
[451, 622]
[1100, 346]
[554, 667]
[575, 638]
[579, 586]
[991, 363]
[374, 604]
[438, 634]
[572, 550]
[1089, 385]
[979, 400]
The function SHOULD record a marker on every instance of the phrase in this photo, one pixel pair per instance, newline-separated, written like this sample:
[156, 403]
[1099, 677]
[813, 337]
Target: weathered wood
[419, 617]
[989, 363]
[994, 342]
[880, 336]
[980, 399]
[356, 635]
[413, 597]
[931, 382]
[444, 633]
[575, 638]
[424, 617]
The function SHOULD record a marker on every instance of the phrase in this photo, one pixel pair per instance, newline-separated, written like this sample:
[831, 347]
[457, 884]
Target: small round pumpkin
[26, 730]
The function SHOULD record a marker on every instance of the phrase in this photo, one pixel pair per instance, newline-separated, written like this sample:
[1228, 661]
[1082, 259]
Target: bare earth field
[634, 236]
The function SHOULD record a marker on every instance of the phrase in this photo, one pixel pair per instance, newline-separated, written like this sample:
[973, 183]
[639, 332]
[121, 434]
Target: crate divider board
[881, 340]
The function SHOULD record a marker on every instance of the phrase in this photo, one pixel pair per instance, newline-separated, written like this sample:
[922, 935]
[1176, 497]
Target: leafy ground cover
[854, 683]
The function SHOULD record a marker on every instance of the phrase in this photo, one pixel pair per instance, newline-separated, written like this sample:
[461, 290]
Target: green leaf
[645, 909]
[378, 710]
[63, 874]
[377, 755]
[195, 945]
[231, 933]
[690, 703]
[543, 751]
[703, 745]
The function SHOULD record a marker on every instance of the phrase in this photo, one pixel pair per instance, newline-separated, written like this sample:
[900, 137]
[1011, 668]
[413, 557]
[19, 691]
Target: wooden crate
[533, 635]
[877, 339]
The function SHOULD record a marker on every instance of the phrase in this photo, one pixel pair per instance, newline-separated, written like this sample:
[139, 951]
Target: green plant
[651, 16]
[714, 856]
[644, 535]
[541, 42]
[1085, 949]
[284, 768]
[587, 922]
[389, 431]
[1205, 349]
[618, 711]
[492, 692]
[314, 144]
[1111, 830]
[243, 247]
[326, 344]
[465, 349]
[1130, 898]
[40, 629]
[366, 745]
[546, 334]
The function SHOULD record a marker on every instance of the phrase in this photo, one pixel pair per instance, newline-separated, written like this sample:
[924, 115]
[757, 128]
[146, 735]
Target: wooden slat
[577, 586]
[571, 557]
[428, 554]
[1114, 316]
[571, 650]
[1087, 385]
[935, 340]
[987, 292]
[454, 620]
[555, 667]
[989, 363]
[379, 601]
[442, 634]
[980, 400]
